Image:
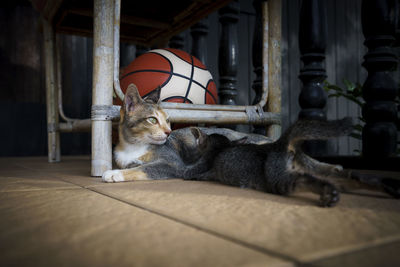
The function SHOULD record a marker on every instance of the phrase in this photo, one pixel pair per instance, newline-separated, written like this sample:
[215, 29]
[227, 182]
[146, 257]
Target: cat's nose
[167, 131]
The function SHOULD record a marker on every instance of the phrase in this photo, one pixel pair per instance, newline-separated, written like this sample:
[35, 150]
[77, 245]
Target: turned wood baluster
[379, 136]
[141, 50]
[199, 33]
[177, 42]
[228, 53]
[312, 42]
[257, 57]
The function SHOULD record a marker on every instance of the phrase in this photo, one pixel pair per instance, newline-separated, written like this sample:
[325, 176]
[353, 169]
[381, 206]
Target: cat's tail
[303, 130]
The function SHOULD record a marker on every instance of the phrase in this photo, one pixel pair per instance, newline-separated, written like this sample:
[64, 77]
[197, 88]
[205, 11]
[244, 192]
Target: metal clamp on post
[105, 113]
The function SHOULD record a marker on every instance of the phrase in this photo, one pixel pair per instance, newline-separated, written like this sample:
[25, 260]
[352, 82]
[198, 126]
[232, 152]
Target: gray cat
[282, 167]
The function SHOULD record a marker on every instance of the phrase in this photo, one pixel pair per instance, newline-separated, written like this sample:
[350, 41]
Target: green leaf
[349, 85]
[353, 99]
[358, 90]
[356, 136]
[361, 119]
[335, 95]
[335, 87]
[358, 127]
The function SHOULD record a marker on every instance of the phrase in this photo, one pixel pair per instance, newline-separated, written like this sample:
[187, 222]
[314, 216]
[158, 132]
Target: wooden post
[103, 63]
[199, 33]
[379, 136]
[312, 42]
[53, 135]
[228, 53]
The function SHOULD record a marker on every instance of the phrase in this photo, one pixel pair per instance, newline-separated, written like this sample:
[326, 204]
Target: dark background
[22, 76]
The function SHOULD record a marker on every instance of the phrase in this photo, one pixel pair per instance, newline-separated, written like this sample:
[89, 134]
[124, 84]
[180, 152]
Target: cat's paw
[330, 196]
[337, 168]
[113, 176]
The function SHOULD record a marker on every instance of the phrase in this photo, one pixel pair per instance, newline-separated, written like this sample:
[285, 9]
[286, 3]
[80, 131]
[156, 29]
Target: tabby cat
[147, 148]
[282, 167]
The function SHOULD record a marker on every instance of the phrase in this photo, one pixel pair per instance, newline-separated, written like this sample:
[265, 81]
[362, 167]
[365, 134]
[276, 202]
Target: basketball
[181, 76]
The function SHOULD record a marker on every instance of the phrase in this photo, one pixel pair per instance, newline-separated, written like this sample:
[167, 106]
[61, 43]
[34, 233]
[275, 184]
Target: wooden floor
[57, 215]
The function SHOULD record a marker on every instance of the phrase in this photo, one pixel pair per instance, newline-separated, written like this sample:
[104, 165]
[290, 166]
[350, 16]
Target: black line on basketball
[177, 97]
[171, 73]
[186, 61]
[167, 72]
[191, 80]
[153, 70]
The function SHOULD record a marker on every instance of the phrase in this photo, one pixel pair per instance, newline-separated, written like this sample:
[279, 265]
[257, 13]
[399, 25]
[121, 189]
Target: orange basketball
[182, 77]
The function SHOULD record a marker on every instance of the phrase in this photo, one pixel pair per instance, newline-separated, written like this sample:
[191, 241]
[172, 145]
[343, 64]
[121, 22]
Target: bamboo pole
[171, 105]
[75, 126]
[272, 57]
[221, 117]
[53, 135]
[103, 62]
[191, 116]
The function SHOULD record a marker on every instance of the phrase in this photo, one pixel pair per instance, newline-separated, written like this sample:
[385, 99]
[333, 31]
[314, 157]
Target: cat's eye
[152, 120]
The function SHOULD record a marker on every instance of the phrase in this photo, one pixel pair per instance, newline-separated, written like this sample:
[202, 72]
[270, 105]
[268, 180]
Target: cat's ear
[199, 136]
[240, 141]
[154, 96]
[132, 98]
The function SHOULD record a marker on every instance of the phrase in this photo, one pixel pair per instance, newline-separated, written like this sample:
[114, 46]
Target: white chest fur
[130, 154]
